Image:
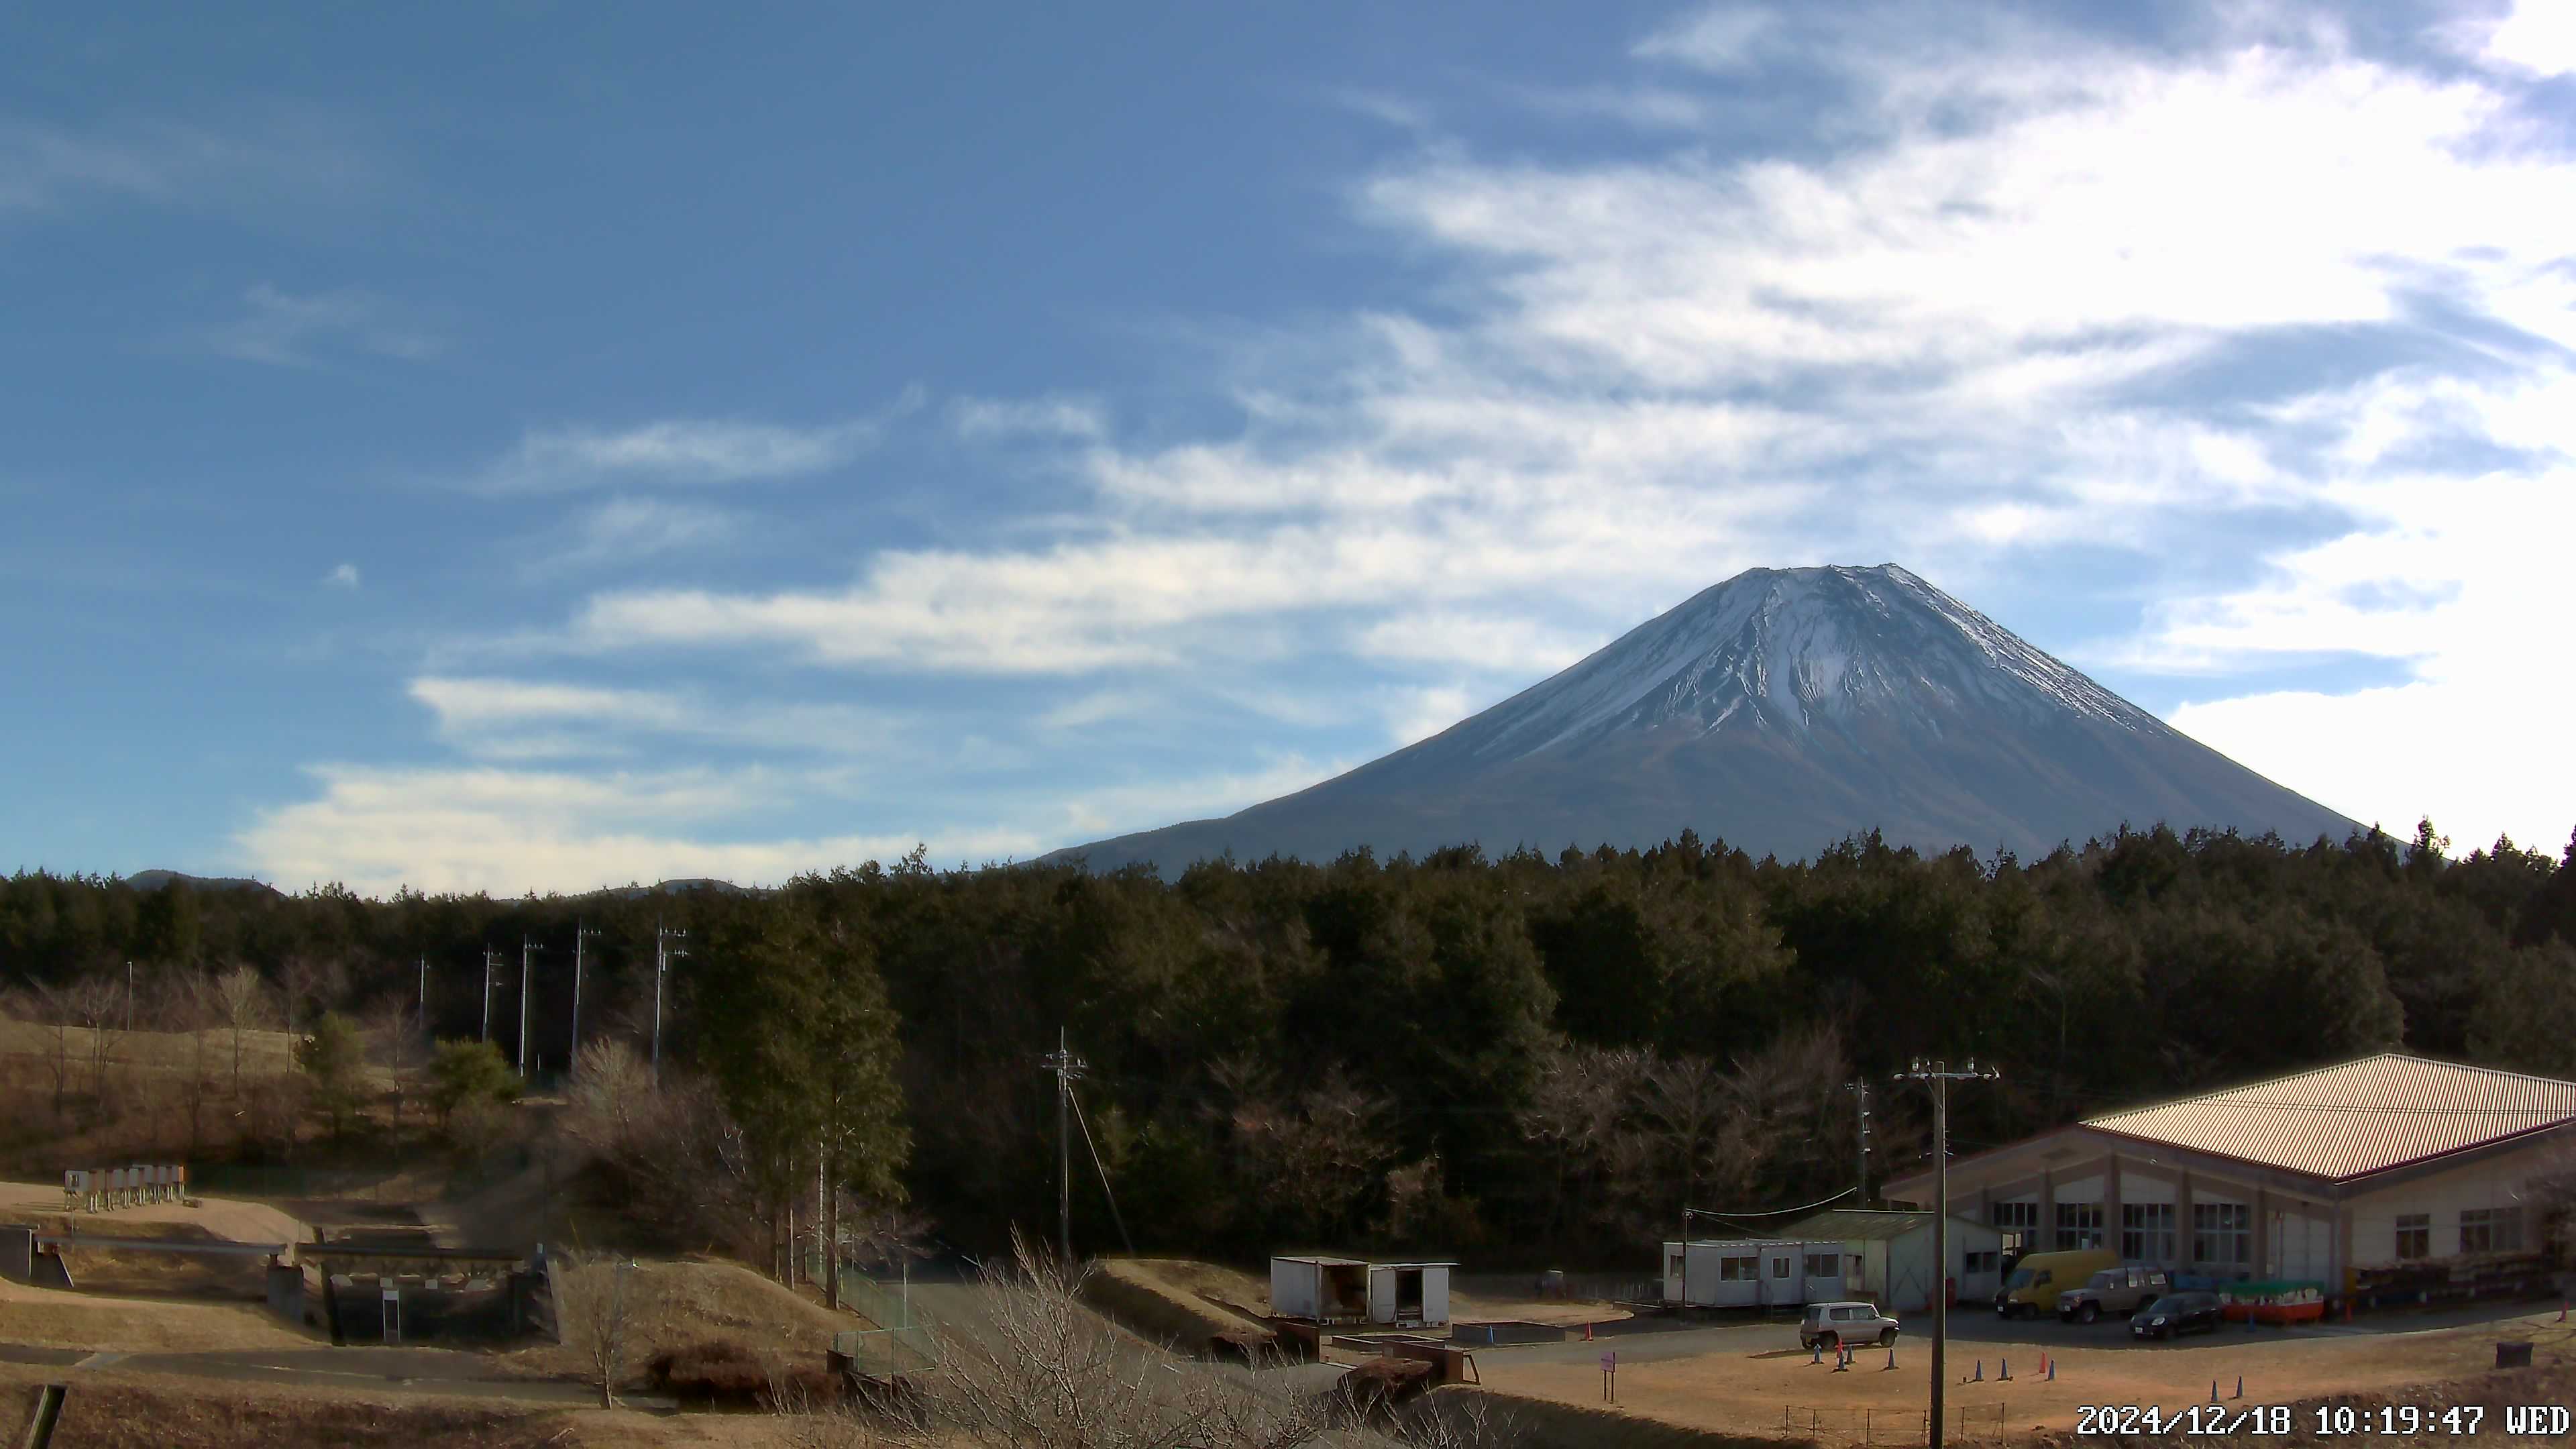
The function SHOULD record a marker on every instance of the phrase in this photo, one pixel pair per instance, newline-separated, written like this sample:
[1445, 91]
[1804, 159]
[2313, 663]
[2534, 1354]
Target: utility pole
[491, 958]
[1860, 1093]
[663, 951]
[421, 1019]
[528, 948]
[1068, 1069]
[1939, 1075]
[129, 996]
[580, 935]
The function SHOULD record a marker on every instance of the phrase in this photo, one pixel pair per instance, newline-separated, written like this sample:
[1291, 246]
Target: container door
[1381, 1296]
[1435, 1297]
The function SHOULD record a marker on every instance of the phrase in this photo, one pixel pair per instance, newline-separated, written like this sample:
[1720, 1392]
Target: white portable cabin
[1753, 1272]
[1888, 1256]
[1410, 1295]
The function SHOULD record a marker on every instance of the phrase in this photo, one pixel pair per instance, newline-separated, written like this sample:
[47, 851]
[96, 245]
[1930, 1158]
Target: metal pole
[129, 996]
[422, 1020]
[1064, 1154]
[581, 935]
[488, 956]
[1938, 1076]
[527, 960]
[1940, 1244]
[661, 963]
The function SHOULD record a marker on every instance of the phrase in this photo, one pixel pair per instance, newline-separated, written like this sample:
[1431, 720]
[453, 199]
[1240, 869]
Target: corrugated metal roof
[2357, 1118]
[1854, 1225]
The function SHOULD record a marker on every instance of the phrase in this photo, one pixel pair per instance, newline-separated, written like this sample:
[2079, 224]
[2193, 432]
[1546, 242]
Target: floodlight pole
[663, 951]
[1860, 1091]
[581, 934]
[421, 1018]
[528, 948]
[490, 959]
[1939, 1075]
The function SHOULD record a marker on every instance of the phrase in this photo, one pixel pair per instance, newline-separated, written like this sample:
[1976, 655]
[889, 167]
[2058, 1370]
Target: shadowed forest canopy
[1453, 1053]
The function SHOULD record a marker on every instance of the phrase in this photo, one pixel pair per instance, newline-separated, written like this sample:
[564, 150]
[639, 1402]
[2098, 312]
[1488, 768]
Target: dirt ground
[1779, 1388]
[1237, 1288]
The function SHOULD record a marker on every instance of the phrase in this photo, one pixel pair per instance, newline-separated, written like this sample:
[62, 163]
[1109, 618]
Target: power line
[1080, 1121]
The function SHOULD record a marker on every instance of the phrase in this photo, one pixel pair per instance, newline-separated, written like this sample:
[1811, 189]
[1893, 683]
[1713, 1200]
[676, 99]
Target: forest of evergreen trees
[1454, 1052]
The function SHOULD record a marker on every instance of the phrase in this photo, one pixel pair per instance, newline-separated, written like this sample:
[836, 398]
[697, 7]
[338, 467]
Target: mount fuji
[1780, 711]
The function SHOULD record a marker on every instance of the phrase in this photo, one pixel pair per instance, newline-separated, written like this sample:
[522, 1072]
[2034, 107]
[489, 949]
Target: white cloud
[1054, 417]
[509, 831]
[2535, 36]
[286, 330]
[1113, 810]
[342, 576]
[1414, 715]
[678, 451]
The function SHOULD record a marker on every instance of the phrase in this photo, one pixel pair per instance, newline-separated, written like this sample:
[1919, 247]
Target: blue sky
[534, 446]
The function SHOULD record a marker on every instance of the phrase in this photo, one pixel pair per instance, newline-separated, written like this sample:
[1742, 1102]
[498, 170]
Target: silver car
[1831, 1325]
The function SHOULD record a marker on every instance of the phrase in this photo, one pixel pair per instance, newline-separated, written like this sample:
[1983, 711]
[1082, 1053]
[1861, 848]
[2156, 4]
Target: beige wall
[2493, 1183]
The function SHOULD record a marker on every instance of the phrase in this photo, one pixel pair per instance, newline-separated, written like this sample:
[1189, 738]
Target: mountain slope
[1781, 711]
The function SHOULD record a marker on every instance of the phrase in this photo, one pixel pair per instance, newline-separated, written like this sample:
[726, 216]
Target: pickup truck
[2122, 1290]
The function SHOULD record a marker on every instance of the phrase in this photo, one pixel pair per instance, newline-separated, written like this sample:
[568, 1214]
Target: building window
[2414, 1235]
[2490, 1230]
[1824, 1265]
[2018, 1220]
[1738, 1270]
[2079, 1225]
[1780, 1268]
[2222, 1232]
[2147, 1232]
[1982, 1262]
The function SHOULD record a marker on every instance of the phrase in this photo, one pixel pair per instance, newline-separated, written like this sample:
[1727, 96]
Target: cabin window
[1738, 1270]
[1824, 1265]
[1780, 1268]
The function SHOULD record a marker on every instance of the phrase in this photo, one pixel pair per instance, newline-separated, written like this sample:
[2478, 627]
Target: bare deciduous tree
[599, 1304]
[96, 999]
[242, 998]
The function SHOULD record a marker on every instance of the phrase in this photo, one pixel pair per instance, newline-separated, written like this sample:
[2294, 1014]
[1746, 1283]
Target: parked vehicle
[1831, 1325]
[2036, 1282]
[2122, 1290]
[2177, 1313]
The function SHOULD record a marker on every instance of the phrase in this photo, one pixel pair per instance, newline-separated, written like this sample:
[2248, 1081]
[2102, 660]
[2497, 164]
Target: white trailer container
[1409, 1295]
[1322, 1290]
[1752, 1272]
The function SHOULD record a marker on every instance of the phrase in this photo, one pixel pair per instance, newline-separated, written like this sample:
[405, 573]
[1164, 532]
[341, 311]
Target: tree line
[1453, 1052]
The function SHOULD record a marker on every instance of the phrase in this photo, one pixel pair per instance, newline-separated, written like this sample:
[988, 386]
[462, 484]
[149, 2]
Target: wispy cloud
[1079, 419]
[342, 576]
[1725, 38]
[631, 530]
[681, 452]
[49, 169]
[285, 330]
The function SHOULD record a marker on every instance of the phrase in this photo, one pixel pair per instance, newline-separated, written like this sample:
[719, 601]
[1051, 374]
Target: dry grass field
[1211, 1287]
[1779, 1390]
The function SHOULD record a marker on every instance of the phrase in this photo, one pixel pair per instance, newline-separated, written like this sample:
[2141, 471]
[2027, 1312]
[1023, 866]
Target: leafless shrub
[599, 1303]
[1035, 1369]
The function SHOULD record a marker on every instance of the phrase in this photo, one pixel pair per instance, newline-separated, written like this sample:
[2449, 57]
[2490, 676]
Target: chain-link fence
[1861, 1424]
[904, 1339]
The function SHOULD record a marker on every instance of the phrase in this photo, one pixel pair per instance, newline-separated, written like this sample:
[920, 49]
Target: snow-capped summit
[1779, 711]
